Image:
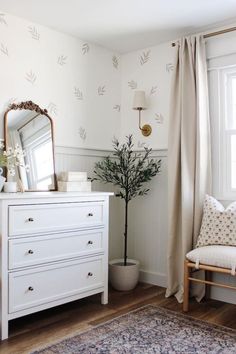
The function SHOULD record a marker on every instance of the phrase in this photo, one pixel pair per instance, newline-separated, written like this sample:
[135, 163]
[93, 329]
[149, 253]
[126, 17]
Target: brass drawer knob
[90, 214]
[90, 242]
[31, 219]
[31, 252]
[90, 274]
[30, 288]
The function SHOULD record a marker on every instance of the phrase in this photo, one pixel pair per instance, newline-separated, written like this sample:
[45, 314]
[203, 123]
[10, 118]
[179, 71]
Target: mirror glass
[31, 130]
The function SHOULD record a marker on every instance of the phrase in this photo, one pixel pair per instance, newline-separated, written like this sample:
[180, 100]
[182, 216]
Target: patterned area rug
[149, 329]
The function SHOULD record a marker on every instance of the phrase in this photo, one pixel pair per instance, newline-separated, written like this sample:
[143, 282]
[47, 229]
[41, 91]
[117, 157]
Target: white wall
[149, 70]
[45, 66]
[223, 44]
[78, 82]
[148, 227]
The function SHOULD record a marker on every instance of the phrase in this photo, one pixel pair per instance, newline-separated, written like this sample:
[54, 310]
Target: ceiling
[125, 25]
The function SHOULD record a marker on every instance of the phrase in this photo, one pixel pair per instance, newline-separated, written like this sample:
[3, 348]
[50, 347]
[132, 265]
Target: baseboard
[225, 295]
[152, 278]
[220, 294]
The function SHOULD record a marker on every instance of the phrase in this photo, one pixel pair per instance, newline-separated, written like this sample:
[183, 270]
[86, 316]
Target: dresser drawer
[45, 284]
[44, 218]
[28, 251]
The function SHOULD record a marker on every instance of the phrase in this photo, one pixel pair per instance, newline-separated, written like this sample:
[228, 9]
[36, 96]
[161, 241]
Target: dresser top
[55, 194]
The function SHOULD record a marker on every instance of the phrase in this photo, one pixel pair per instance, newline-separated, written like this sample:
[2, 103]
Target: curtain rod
[212, 34]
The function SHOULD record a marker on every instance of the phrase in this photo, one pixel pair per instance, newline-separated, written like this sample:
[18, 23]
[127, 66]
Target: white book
[84, 186]
[71, 176]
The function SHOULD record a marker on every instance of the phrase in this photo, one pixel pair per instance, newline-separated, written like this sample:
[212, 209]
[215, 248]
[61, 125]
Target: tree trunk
[126, 233]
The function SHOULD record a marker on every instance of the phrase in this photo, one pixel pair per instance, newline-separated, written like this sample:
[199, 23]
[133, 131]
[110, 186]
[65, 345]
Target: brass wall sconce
[139, 104]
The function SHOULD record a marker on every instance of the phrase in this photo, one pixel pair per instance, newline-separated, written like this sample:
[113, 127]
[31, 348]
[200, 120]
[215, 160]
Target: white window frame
[221, 132]
[43, 140]
[30, 145]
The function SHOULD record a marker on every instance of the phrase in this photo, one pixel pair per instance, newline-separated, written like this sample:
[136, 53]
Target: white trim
[153, 278]
[69, 150]
[223, 67]
[220, 56]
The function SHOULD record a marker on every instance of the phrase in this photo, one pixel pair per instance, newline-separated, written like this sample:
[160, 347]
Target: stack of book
[73, 182]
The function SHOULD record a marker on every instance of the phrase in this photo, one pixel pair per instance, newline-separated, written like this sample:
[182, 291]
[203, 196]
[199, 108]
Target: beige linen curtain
[189, 156]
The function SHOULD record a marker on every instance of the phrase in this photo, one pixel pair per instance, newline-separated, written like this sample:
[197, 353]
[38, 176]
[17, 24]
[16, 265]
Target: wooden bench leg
[186, 286]
[208, 288]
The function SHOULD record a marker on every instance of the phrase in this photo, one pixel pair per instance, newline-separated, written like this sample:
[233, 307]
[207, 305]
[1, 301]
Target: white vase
[122, 277]
[2, 180]
[10, 187]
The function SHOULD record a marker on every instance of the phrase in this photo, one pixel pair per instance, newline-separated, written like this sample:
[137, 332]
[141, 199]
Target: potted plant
[127, 170]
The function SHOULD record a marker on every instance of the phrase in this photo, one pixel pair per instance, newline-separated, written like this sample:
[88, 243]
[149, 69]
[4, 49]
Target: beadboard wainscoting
[148, 227]
[79, 159]
[147, 215]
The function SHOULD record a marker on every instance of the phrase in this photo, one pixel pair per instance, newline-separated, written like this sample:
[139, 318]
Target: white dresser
[54, 249]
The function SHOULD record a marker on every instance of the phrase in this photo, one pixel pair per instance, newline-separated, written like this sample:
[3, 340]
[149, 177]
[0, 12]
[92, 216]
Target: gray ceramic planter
[123, 278]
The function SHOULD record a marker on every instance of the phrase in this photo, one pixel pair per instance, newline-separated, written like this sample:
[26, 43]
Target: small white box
[74, 186]
[73, 176]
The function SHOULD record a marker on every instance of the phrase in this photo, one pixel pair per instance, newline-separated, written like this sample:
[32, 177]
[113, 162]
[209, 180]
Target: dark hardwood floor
[45, 327]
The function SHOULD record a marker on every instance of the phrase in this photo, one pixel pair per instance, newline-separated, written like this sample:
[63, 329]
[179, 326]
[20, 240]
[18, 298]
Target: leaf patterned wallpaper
[88, 90]
[149, 70]
[77, 82]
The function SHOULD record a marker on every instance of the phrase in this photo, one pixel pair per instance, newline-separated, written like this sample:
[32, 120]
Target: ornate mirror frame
[31, 106]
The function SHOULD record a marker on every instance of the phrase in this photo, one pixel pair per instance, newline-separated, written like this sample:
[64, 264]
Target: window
[233, 162]
[41, 163]
[40, 158]
[222, 93]
[36, 140]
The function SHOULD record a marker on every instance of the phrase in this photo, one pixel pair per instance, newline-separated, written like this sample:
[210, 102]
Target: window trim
[221, 134]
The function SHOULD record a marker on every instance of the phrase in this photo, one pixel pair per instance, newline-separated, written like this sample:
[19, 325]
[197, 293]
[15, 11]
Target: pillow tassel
[197, 263]
[233, 269]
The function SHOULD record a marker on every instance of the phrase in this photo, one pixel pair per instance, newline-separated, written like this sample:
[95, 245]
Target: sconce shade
[139, 101]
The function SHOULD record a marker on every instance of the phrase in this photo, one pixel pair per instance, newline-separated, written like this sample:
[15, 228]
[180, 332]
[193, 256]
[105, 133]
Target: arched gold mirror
[30, 129]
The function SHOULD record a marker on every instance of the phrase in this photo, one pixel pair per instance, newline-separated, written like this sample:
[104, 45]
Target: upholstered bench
[216, 258]
[215, 248]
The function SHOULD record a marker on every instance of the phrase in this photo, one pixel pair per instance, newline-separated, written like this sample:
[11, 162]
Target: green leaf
[127, 169]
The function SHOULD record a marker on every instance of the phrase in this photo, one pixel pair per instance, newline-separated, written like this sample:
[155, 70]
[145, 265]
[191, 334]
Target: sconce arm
[139, 118]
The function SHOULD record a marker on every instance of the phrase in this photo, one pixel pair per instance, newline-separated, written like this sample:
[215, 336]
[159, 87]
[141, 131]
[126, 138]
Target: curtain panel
[189, 157]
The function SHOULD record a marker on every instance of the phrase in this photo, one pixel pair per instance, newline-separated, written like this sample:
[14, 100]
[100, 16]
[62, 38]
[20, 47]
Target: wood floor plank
[52, 325]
